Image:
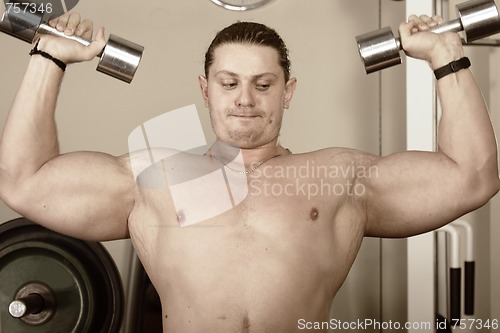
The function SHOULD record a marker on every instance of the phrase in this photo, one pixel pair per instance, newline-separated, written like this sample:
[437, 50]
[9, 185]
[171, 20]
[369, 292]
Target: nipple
[314, 214]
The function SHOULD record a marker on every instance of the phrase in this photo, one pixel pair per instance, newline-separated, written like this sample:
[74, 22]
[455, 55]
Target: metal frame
[421, 135]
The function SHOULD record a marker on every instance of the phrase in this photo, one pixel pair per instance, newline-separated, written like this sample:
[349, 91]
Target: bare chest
[219, 245]
[275, 225]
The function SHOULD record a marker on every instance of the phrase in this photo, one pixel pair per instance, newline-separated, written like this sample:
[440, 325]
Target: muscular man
[275, 257]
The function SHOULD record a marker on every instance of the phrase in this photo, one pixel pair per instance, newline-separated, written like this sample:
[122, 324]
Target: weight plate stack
[51, 283]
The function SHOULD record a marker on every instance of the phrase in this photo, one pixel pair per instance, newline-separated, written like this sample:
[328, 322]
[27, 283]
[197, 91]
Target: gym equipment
[143, 311]
[455, 273]
[380, 49]
[469, 266]
[55, 283]
[119, 58]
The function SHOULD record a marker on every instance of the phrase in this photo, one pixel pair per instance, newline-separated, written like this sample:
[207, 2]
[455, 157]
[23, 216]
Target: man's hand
[69, 51]
[437, 49]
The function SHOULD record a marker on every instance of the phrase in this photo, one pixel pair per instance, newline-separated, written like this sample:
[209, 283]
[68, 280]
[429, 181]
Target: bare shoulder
[140, 160]
[154, 168]
[342, 170]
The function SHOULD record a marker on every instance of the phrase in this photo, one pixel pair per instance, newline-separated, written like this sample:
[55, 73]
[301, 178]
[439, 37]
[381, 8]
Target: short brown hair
[250, 33]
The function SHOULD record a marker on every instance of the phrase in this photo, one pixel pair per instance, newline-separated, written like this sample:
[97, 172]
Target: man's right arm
[84, 195]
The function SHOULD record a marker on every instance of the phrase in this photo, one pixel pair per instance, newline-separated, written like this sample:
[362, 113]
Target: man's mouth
[245, 115]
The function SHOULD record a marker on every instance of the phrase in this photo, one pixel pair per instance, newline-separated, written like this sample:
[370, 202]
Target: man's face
[246, 94]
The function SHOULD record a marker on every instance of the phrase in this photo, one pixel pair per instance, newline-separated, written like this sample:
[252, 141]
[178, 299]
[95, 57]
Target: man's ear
[289, 90]
[202, 80]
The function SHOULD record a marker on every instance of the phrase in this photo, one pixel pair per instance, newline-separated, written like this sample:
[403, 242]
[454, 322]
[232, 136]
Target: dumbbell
[119, 58]
[380, 49]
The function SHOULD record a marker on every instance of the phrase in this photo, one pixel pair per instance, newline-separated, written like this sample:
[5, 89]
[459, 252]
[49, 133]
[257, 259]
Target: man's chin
[243, 141]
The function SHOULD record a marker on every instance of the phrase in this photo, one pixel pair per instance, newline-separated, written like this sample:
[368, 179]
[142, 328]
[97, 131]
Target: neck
[245, 158]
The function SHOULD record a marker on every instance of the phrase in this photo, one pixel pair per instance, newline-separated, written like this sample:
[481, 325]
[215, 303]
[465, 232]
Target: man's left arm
[415, 192]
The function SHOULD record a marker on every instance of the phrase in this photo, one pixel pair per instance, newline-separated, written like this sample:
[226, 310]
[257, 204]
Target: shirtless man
[273, 259]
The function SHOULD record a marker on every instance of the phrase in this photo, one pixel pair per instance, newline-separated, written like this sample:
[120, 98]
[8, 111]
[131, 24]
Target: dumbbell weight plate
[479, 19]
[20, 26]
[120, 58]
[81, 275]
[41, 262]
[378, 49]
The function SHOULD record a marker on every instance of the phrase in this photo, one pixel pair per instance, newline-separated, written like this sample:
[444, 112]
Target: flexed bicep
[415, 192]
[86, 195]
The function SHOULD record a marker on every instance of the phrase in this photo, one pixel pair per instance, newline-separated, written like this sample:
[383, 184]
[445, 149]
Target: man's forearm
[465, 132]
[29, 138]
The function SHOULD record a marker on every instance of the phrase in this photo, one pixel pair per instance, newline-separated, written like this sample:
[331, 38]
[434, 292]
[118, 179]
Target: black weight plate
[29, 261]
[53, 254]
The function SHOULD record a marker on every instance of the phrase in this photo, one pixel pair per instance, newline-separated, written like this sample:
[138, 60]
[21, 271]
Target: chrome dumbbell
[119, 58]
[477, 18]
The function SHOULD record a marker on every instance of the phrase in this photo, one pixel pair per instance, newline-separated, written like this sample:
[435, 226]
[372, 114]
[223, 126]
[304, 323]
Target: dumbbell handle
[30, 304]
[48, 30]
[451, 26]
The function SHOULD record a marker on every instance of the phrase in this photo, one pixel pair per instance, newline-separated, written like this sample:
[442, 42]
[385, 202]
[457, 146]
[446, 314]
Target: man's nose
[245, 97]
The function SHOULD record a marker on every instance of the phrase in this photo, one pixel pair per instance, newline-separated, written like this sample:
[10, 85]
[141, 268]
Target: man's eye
[263, 87]
[229, 85]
